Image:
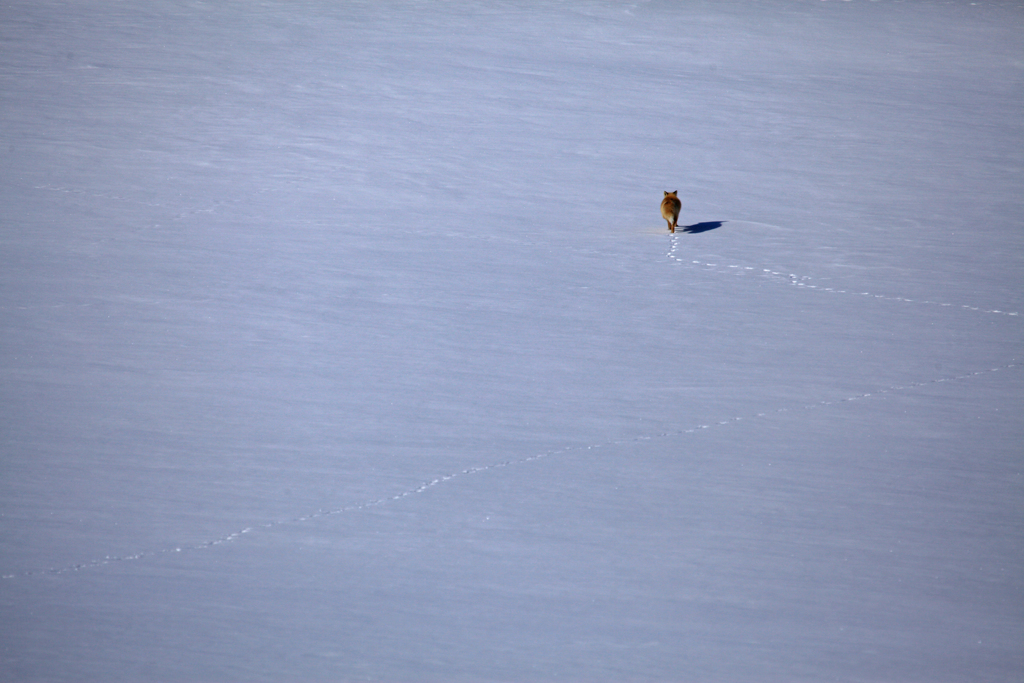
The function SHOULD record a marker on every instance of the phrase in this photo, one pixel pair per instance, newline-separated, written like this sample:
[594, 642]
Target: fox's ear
[675, 193]
[666, 194]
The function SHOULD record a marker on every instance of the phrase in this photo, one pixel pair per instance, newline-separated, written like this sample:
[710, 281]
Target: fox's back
[670, 206]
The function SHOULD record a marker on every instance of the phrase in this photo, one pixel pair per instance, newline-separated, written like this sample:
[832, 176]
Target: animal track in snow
[803, 281]
[427, 485]
[806, 282]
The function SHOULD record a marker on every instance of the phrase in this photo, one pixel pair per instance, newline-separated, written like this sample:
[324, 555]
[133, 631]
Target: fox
[670, 206]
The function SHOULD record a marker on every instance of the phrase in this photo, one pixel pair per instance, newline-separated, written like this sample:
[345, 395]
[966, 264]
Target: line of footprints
[426, 485]
[799, 281]
[806, 282]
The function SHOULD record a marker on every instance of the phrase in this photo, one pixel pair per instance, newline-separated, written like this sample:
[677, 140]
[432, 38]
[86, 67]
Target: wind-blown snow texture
[344, 341]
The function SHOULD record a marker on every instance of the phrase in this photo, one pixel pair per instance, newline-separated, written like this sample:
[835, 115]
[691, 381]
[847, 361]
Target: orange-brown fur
[670, 206]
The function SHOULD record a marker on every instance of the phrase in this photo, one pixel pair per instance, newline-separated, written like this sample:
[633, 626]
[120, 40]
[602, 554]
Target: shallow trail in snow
[424, 486]
[807, 282]
[764, 270]
[781, 277]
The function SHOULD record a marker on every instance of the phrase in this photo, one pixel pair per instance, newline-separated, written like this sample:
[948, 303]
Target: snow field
[345, 342]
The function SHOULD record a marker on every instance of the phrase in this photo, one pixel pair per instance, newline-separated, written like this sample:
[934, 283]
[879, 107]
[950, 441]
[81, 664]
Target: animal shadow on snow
[702, 227]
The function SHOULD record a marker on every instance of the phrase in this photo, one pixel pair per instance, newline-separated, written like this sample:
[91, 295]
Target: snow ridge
[129, 200]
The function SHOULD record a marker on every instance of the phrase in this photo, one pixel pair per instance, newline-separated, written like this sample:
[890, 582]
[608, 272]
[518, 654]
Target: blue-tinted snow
[344, 341]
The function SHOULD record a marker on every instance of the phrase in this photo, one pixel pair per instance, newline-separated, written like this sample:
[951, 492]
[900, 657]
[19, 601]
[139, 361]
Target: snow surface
[344, 341]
